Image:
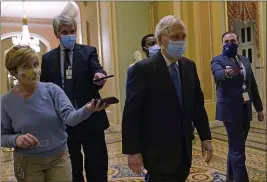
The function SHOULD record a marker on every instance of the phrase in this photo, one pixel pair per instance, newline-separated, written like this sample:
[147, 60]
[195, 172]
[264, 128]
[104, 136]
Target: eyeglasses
[43, 143]
[17, 47]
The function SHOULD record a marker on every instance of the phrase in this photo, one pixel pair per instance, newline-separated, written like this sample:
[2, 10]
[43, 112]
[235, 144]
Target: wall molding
[99, 31]
[112, 8]
[31, 25]
[263, 54]
[19, 20]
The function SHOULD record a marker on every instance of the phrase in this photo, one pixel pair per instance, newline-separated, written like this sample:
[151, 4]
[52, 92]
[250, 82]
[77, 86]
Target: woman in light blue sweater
[34, 116]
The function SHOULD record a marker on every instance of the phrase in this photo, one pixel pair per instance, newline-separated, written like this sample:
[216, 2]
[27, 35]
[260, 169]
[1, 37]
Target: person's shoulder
[51, 52]
[243, 58]
[145, 63]
[6, 97]
[218, 57]
[49, 86]
[141, 65]
[131, 65]
[187, 60]
[87, 48]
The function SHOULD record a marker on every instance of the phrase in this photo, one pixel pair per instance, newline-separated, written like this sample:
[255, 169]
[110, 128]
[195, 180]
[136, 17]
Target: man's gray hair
[165, 23]
[60, 20]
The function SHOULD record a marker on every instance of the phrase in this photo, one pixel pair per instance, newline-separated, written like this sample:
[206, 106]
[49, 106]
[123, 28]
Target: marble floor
[215, 172]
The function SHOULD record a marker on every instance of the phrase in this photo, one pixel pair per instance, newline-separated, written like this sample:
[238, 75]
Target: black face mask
[230, 50]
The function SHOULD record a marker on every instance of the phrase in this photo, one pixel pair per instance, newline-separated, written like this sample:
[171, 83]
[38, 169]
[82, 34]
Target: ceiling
[33, 9]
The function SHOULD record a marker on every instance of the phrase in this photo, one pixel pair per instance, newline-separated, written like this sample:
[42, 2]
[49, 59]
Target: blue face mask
[153, 50]
[176, 48]
[230, 50]
[68, 41]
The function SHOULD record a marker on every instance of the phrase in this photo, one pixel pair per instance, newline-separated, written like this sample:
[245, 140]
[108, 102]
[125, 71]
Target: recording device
[107, 100]
[237, 69]
[103, 78]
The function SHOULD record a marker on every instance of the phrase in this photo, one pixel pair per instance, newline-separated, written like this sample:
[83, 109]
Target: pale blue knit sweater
[43, 115]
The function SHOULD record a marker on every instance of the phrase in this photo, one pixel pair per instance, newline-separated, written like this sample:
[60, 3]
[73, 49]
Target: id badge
[245, 96]
[69, 73]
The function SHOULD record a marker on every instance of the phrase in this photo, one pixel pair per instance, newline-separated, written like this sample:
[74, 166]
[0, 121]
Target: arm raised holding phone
[232, 71]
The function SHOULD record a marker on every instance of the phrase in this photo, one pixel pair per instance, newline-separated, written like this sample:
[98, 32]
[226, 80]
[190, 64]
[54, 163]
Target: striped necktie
[175, 75]
[67, 82]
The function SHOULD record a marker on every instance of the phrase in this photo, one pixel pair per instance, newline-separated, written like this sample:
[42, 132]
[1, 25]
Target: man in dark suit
[149, 47]
[73, 67]
[164, 96]
[236, 91]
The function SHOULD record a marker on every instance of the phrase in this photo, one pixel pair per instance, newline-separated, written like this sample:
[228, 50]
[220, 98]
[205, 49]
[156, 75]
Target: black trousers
[95, 160]
[181, 174]
[237, 134]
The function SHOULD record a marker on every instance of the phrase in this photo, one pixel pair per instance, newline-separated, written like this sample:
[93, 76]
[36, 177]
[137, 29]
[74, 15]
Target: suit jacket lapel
[55, 68]
[164, 76]
[184, 80]
[77, 62]
[228, 61]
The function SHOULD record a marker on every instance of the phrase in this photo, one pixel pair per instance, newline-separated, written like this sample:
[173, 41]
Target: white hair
[165, 23]
[60, 20]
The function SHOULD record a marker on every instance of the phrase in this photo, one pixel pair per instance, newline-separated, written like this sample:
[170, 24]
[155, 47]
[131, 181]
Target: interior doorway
[248, 48]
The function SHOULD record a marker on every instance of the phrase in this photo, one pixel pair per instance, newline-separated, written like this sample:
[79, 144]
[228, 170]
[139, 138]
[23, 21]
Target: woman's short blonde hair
[18, 55]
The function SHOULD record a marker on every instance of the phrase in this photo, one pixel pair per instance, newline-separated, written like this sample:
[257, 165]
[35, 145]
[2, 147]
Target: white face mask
[29, 76]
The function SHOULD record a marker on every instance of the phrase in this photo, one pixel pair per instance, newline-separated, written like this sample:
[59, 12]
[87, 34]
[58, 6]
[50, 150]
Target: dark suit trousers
[95, 154]
[237, 134]
[181, 174]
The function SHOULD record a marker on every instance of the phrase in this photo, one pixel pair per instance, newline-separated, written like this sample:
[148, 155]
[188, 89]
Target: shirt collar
[168, 62]
[63, 48]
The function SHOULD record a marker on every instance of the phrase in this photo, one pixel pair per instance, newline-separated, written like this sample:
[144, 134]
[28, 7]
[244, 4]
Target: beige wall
[132, 23]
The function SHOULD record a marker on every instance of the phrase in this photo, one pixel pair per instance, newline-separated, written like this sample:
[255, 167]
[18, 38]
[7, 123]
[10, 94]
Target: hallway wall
[131, 27]
[204, 42]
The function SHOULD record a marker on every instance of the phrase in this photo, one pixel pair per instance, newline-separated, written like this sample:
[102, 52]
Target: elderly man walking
[164, 95]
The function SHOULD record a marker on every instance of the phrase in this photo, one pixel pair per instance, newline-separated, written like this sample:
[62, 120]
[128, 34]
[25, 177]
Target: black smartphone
[107, 100]
[236, 69]
[103, 78]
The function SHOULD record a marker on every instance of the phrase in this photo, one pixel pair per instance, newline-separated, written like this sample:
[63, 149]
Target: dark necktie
[67, 82]
[175, 75]
[238, 64]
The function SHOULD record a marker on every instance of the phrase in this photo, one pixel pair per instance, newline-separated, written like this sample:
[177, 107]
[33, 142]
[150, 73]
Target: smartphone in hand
[103, 78]
[107, 100]
[236, 69]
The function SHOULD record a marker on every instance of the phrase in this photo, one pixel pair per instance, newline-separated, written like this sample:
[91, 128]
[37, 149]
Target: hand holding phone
[103, 78]
[237, 69]
[233, 71]
[107, 100]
